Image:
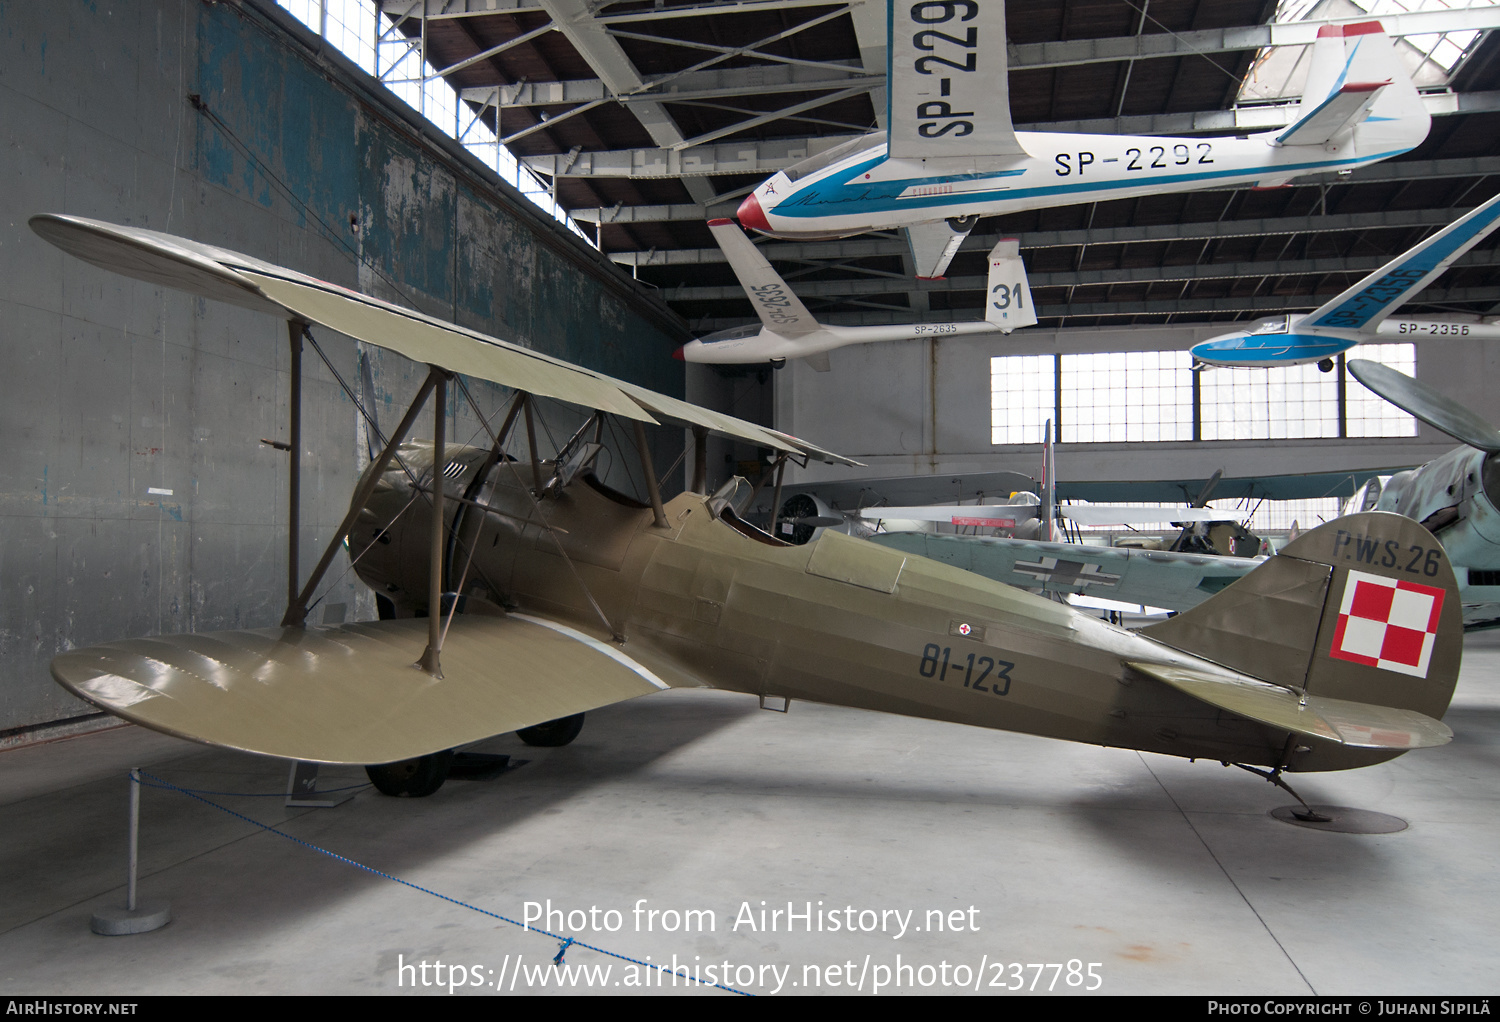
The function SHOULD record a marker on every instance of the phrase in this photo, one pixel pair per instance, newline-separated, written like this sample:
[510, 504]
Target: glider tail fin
[1009, 297]
[779, 309]
[1356, 83]
[1361, 614]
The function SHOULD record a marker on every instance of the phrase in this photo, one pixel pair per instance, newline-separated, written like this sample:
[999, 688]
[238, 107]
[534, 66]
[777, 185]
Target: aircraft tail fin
[1363, 610]
[1049, 486]
[779, 309]
[1009, 304]
[1356, 82]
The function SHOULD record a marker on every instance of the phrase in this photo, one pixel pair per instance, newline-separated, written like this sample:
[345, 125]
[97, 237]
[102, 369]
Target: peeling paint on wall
[119, 387]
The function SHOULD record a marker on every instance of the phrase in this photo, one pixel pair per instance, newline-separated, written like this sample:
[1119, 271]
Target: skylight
[1279, 73]
[355, 28]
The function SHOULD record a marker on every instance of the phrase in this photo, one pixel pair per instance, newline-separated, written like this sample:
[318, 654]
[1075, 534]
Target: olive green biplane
[525, 592]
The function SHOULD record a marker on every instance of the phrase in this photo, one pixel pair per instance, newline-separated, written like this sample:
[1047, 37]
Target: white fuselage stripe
[590, 641]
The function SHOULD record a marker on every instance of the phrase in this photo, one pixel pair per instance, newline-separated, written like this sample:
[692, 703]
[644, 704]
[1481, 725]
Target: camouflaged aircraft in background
[547, 594]
[1455, 497]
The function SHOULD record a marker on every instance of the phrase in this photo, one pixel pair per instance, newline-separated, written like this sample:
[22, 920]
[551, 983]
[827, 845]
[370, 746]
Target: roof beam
[575, 20]
[1250, 37]
[1408, 170]
[435, 10]
[1030, 55]
[867, 246]
[1187, 306]
[1249, 118]
[753, 156]
[836, 289]
[708, 84]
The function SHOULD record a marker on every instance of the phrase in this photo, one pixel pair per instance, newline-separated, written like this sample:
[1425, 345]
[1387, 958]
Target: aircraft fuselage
[867, 191]
[1291, 342]
[710, 601]
[739, 344]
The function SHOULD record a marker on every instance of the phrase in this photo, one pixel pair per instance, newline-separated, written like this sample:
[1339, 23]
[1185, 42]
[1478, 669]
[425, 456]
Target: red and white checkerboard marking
[1387, 623]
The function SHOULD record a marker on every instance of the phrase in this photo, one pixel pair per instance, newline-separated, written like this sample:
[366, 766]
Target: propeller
[1426, 404]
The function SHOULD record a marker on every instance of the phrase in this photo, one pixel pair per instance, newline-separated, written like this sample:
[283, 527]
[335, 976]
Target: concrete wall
[918, 407]
[135, 493]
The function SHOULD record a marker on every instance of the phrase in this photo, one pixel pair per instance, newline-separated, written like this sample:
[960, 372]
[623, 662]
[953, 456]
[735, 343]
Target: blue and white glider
[1362, 312]
[950, 153]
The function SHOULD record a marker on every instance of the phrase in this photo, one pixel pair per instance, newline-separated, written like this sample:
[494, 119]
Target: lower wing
[349, 694]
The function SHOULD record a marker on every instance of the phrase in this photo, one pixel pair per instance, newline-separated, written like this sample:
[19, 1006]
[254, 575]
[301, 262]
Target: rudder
[1363, 609]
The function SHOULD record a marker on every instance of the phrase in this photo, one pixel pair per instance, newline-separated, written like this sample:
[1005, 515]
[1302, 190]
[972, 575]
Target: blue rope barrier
[565, 941]
[252, 794]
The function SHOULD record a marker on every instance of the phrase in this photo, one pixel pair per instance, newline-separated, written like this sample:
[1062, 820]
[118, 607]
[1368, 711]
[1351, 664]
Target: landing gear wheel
[412, 778]
[1325, 365]
[554, 732]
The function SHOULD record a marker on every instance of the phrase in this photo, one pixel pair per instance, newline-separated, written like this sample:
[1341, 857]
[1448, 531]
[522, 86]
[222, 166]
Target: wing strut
[700, 459]
[429, 660]
[776, 496]
[296, 611]
[653, 491]
[294, 329]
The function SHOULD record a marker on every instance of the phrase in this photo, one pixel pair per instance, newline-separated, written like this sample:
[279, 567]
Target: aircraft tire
[553, 733]
[1325, 365]
[412, 778]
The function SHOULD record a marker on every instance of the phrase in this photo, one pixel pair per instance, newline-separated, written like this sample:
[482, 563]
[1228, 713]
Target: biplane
[525, 592]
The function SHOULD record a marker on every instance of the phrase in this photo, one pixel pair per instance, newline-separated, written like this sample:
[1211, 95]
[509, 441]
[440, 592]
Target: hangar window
[1279, 73]
[1127, 396]
[384, 51]
[1368, 414]
[1023, 390]
[1149, 397]
[1269, 404]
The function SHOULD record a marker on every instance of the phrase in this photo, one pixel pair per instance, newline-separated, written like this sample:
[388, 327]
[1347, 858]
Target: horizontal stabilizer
[933, 246]
[1340, 112]
[349, 694]
[1360, 725]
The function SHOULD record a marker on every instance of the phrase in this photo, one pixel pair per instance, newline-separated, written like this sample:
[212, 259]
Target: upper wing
[1372, 299]
[1155, 578]
[253, 283]
[946, 81]
[349, 694]
[779, 309]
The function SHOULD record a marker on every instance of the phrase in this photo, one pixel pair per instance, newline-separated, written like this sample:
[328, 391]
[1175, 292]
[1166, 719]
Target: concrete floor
[1171, 876]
